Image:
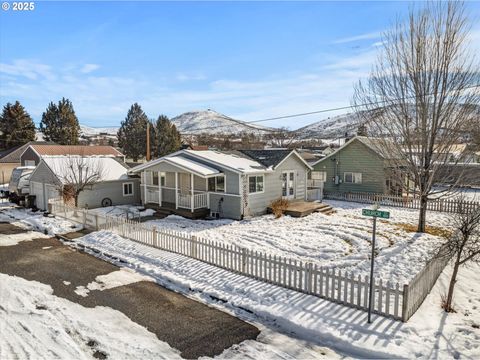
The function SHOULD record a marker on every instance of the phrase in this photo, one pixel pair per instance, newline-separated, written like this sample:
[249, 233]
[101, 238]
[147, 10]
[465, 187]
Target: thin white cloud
[88, 68]
[190, 77]
[367, 36]
[29, 69]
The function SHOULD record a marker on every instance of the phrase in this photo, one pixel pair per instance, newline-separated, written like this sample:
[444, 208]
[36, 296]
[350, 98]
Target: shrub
[278, 207]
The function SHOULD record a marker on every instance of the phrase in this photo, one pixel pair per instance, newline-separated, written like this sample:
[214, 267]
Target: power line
[303, 114]
[323, 111]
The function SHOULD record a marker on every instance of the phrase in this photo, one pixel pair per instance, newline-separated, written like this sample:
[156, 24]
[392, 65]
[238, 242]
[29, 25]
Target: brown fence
[342, 287]
[443, 205]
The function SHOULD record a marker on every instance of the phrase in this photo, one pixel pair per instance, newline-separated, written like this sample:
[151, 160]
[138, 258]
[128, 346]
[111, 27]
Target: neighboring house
[32, 155]
[360, 165]
[11, 159]
[114, 186]
[222, 184]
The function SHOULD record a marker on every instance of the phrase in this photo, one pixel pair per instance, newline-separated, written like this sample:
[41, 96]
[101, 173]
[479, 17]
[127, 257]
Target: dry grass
[432, 230]
[278, 207]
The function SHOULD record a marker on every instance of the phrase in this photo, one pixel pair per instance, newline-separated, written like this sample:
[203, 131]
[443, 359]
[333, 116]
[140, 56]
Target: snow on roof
[194, 166]
[238, 163]
[65, 167]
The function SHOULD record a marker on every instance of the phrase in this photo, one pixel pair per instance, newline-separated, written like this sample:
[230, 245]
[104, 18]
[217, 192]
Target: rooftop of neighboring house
[13, 155]
[81, 150]
[66, 167]
[267, 157]
[379, 146]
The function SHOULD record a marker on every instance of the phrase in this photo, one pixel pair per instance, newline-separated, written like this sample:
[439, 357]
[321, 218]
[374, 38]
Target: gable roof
[64, 167]
[13, 155]
[80, 150]
[374, 144]
[215, 159]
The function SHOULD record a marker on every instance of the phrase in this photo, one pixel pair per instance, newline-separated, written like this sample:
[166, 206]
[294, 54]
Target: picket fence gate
[339, 286]
[441, 205]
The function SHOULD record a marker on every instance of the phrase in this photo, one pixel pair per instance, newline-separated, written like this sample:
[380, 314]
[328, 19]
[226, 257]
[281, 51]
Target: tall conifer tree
[16, 126]
[60, 124]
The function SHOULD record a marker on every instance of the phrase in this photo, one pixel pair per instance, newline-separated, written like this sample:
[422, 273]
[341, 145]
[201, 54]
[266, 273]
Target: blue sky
[248, 60]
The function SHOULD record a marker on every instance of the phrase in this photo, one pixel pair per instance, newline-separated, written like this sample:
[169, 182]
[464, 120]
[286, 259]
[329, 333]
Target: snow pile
[115, 279]
[36, 221]
[341, 241]
[39, 325]
[430, 333]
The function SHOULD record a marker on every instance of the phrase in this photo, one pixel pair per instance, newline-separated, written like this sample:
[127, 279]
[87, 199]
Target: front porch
[179, 192]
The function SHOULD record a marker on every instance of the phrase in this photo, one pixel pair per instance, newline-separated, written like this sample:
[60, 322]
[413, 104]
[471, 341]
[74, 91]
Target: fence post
[154, 236]
[308, 277]
[96, 222]
[244, 260]
[405, 303]
[193, 247]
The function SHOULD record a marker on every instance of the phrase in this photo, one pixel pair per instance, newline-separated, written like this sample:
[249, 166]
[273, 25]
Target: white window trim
[29, 162]
[123, 188]
[224, 184]
[323, 177]
[248, 184]
[353, 177]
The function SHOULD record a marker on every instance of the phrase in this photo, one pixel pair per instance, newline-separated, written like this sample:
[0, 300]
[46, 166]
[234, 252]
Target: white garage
[43, 192]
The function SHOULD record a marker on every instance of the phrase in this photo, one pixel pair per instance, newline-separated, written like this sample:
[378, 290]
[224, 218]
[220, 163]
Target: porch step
[325, 209]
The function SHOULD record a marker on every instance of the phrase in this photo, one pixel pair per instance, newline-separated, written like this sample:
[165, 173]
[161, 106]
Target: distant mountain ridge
[331, 128]
[212, 122]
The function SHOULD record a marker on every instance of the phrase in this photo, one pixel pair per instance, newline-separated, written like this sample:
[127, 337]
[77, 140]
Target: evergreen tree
[168, 138]
[132, 135]
[60, 124]
[16, 126]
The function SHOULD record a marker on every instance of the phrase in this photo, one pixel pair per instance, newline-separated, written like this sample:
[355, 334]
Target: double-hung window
[216, 184]
[255, 184]
[127, 189]
[352, 178]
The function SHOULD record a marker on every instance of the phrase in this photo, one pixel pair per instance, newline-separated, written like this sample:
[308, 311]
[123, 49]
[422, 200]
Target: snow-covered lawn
[341, 240]
[430, 333]
[125, 211]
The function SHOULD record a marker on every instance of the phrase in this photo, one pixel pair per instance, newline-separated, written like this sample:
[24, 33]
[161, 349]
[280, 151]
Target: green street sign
[376, 213]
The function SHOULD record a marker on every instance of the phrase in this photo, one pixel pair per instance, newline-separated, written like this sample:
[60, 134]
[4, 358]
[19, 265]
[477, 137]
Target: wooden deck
[303, 208]
[169, 209]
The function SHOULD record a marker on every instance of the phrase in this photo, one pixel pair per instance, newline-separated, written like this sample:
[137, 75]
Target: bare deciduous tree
[282, 138]
[463, 247]
[421, 93]
[78, 174]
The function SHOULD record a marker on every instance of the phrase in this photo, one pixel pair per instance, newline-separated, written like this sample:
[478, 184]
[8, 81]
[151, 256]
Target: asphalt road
[187, 325]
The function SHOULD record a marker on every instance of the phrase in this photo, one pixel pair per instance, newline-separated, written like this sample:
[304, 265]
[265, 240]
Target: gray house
[112, 186]
[220, 184]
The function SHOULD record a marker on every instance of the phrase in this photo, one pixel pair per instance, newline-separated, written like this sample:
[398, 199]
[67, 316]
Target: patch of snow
[124, 211]
[67, 282]
[39, 325]
[14, 239]
[112, 280]
[46, 247]
[35, 220]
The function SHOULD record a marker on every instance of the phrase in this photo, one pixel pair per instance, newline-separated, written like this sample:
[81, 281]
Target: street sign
[376, 213]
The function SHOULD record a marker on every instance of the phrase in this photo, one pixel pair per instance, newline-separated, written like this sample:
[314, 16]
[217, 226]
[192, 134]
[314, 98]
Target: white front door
[288, 184]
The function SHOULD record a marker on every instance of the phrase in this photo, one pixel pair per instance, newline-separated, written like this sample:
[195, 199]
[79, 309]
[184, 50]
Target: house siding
[43, 174]
[229, 208]
[29, 154]
[113, 190]
[258, 203]
[355, 157]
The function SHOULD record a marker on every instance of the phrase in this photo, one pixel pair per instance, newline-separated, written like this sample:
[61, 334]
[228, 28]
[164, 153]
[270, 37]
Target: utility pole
[147, 156]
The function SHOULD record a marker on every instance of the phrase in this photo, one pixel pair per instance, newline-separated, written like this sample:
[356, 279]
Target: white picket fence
[339, 286]
[442, 205]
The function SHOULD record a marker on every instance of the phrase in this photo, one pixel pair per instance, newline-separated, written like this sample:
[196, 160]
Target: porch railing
[200, 200]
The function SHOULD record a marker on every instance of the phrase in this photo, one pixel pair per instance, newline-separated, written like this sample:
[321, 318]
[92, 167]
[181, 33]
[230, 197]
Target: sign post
[384, 215]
